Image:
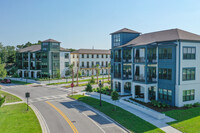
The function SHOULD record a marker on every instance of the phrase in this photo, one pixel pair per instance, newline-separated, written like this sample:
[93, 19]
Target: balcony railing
[140, 78]
[152, 79]
[139, 59]
[128, 60]
[152, 59]
[127, 76]
[117, 75]
[117, 60]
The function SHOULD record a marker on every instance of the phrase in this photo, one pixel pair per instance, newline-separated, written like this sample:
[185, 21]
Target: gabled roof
[125, 30]
[91, 51]
[160, 36]
[51, 40]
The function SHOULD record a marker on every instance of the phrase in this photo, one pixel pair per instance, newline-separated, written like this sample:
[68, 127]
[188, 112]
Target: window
[165, 94]
[165, 53]
[87, 55]
[97, 56]
[189, 52]
[116, 40]
[106, 56]
[73, 56]
[106, 64]
[66, 64]
[165, 73]
[97, 63]
[92, 56]
[102, 63]
[102, 56]
[82, 64]
[82, 55]
[188, 95]
[88, 66]
[92, 64]
[66, 55]
[188, 74]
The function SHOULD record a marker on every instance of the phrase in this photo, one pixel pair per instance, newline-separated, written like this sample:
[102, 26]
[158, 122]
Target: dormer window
[116, 40]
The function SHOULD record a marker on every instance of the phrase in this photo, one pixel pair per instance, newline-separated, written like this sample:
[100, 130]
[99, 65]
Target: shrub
[197, 104]
[2, 100]
[92, 81]
[107, 93]
[188, 105]
[88, 88]
[159, 104]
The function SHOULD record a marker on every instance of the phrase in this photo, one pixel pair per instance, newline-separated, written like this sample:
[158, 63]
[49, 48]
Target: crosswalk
[49, 98]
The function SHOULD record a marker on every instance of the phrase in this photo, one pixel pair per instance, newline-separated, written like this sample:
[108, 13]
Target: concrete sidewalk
[158, 123]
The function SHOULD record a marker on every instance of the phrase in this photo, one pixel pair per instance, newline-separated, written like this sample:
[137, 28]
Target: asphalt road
[64, 115]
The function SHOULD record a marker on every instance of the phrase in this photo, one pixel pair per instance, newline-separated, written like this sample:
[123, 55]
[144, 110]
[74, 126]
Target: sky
[88, 23]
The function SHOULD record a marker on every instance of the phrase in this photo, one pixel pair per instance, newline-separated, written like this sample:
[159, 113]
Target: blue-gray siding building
[163, 65]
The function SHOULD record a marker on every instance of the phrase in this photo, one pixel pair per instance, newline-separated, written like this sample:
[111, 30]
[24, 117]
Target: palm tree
[97, 72]
[93, 69]
[109, 66]
[71, 67]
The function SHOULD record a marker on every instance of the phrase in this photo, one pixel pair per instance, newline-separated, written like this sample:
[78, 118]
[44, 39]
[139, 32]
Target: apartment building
[163, 65]
[85, 61]
[44, 60]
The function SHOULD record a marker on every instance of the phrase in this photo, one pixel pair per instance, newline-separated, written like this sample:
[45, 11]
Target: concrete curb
[104, 115]
[39, 116]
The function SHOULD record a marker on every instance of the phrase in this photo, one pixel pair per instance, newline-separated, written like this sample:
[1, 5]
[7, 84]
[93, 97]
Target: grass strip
[125, 118]
[10, 98]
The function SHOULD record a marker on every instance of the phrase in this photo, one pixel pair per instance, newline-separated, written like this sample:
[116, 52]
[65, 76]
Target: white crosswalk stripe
[54, 98]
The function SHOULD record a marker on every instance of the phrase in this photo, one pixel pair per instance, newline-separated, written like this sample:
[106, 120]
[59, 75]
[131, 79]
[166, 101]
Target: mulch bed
[149, 105]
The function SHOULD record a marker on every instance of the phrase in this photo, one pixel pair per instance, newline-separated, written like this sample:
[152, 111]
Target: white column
[22, 73]
[146, 94]
[29, 74]
[35, 74]
[18, 72]
[114, 89]
[133, 91]
[122, 88]
[29, 60]
[156, 92]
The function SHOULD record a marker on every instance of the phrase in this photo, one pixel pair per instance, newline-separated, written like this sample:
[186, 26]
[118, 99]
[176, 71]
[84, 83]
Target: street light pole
[100, 85]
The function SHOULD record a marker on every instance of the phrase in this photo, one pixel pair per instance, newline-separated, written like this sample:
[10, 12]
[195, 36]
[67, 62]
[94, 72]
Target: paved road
[64, 115]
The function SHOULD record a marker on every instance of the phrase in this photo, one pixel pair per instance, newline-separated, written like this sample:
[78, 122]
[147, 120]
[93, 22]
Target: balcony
[127, 76]
[139, 59]
[152, 59]
[128, 60]
[139, 78]
[32, 68]
[32, 58]
[117, 60]
[151, 79]
[117, 75]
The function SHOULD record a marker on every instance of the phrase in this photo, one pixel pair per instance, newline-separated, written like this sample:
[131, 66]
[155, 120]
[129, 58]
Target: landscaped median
[16, 119]
[125, 118]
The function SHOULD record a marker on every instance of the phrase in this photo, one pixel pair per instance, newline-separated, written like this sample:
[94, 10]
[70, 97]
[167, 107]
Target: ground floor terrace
[138, 91]
[29, 73]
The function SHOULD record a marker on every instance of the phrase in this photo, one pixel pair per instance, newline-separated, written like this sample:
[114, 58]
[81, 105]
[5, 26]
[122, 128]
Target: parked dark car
[6, 81]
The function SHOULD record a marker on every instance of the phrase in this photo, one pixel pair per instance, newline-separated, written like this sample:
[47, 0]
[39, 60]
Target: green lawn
[125, 118]
[20, 82]
[15, 119]
[10, 98]
[188, 120]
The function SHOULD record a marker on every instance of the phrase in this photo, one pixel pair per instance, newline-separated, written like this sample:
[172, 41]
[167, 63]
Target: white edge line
[43, 124]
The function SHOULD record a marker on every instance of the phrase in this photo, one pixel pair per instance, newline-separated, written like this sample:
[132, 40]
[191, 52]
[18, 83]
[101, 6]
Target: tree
[115, 97]
[58, 74]
[71, 68]
[109, 66]
[97, 73]
[92, 81]
[88, 87]
[3, 71]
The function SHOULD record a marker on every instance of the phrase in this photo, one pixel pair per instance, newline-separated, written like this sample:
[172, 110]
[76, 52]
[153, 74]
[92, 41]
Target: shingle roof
[165, 35]
[91, 51]
[51, 40]
[125, 30]
[32, 48]
[35, 48]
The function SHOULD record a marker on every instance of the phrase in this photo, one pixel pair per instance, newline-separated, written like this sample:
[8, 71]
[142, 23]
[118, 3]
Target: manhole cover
[73, 121]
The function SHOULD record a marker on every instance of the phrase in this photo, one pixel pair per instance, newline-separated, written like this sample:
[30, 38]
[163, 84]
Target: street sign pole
[27, 95]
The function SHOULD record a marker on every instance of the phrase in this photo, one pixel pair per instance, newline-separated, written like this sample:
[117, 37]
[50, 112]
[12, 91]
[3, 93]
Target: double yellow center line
[64, 116]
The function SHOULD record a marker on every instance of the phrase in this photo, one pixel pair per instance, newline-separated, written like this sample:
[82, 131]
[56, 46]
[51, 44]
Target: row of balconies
[92, 67]
[150, 59]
